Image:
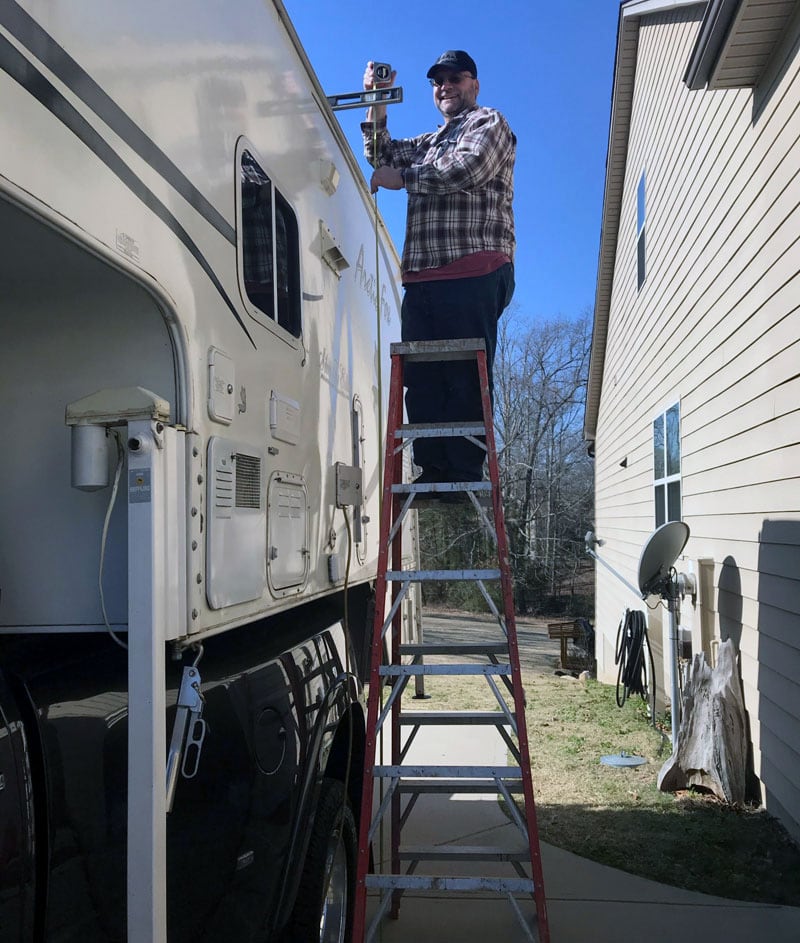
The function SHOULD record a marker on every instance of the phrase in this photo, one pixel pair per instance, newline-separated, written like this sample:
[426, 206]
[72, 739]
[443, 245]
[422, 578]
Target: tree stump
[711, 751]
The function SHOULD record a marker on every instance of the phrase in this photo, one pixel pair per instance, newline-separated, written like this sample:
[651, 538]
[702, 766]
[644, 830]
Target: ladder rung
[456, 773]
[466, 648]
[431, 882]
[442, 487]
[462, 853]
[454, 718]
[454, 349]
[404, 671]
[447, 787]
[413, 576]
[429, 430]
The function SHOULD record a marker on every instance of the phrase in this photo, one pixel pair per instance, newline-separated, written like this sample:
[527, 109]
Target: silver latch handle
[188, 732]
[193, 748]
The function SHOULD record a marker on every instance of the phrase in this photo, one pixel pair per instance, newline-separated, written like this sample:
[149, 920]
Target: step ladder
[400, 785]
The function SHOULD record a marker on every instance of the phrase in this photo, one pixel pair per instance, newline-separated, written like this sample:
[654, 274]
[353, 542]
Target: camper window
[269, 248]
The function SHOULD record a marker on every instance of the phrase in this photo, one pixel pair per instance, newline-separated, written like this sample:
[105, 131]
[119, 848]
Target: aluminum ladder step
[478, 774]
[454, 349]
[453, 718]
[458, 648]
[428, 430]
[420, 576]
[407, 671]
[443, 882]
[443, 487]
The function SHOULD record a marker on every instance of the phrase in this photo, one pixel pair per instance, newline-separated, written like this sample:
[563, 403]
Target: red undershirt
[468, 266]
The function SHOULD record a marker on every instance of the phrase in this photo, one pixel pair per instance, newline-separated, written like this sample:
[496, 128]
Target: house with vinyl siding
[693, 405]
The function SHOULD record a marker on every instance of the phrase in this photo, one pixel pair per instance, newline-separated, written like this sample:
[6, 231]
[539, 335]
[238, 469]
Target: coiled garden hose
[632, 641]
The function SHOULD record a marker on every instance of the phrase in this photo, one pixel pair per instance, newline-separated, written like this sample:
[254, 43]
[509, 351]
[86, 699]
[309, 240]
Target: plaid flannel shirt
[460, 186]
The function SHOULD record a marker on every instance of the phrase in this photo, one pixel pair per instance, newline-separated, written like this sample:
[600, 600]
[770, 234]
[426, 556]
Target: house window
[641, 266]
[667, 465]
[270, 256]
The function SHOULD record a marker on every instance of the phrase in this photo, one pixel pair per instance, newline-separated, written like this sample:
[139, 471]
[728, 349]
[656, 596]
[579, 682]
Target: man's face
[454, 92]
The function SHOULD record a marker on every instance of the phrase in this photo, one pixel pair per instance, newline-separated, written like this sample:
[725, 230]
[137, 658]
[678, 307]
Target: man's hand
[387, 177]
[369, 78]
[376, 112]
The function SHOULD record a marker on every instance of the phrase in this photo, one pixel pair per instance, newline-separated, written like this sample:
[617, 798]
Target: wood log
[711, 751]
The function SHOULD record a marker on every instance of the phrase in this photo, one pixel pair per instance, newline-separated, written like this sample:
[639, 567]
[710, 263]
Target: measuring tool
[382, 72]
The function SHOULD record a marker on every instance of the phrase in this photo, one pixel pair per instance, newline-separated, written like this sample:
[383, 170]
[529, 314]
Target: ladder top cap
[453, 345]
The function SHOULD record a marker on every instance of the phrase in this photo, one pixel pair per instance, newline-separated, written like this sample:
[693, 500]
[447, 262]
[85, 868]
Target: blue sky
[548, 66]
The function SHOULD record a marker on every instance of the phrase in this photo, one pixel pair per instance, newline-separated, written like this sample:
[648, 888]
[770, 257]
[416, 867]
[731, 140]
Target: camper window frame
[292, 334]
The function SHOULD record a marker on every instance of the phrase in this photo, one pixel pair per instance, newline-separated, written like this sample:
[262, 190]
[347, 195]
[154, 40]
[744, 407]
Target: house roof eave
[714, 31]
[737, 41]
[630, 15]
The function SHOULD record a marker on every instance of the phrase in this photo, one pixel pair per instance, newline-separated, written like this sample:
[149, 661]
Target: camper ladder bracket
[188, 732]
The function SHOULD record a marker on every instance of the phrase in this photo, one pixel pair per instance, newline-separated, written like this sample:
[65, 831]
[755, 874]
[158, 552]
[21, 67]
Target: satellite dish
[659, 553]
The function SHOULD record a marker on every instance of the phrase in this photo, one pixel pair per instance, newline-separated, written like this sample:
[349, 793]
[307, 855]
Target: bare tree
[545, 473]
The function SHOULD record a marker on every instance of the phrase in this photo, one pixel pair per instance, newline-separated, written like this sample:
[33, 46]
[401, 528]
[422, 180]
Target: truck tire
[324, 908]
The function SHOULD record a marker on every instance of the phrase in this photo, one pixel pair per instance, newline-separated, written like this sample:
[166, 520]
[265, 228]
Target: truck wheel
[324, 907]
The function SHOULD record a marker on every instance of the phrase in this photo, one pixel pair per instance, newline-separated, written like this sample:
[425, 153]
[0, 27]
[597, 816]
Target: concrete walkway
[586, 902]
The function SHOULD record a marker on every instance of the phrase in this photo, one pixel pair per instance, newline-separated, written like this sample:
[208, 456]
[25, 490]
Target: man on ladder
[458, 277]
[457, 265]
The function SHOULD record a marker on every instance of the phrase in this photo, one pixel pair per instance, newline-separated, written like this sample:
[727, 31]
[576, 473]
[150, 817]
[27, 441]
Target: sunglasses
[440, 80]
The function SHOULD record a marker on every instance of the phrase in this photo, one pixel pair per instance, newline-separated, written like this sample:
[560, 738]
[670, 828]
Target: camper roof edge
[321, 99]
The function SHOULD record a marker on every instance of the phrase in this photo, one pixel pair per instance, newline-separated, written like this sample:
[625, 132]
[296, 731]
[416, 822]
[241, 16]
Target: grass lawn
[617, 816]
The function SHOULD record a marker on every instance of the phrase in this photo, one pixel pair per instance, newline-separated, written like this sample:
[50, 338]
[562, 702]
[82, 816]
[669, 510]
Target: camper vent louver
[248, 481]
[223, 486]
[331, 251]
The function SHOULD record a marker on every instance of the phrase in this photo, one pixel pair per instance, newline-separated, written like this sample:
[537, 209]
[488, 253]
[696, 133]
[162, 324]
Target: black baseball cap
[457, 60]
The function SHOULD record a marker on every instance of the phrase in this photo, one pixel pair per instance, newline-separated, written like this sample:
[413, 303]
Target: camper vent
[331, 251]
[248, 481]
[223, 486]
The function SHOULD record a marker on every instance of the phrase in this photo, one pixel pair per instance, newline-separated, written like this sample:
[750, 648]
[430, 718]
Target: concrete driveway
[586, 902]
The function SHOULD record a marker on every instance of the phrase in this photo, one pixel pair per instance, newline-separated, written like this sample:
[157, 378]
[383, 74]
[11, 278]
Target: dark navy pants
[449, 391]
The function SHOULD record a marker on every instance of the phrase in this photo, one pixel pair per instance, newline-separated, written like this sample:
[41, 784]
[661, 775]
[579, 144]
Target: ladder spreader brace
[399, 782]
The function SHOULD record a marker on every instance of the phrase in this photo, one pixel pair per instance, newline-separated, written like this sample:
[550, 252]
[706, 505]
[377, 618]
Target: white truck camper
[196, 297]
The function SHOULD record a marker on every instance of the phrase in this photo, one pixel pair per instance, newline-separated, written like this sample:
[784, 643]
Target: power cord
[111, 502]
[347, 645]
[348, 678]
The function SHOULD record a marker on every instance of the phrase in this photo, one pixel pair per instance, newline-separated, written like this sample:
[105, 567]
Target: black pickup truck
[260, 842]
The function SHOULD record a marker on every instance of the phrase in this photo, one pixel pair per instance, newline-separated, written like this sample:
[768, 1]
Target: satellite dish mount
[657, 577]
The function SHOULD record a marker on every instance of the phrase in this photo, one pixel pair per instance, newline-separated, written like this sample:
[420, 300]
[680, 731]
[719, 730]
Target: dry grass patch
[617, 816]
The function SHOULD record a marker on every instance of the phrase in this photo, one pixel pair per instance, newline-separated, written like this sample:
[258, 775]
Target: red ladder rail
[398, 780]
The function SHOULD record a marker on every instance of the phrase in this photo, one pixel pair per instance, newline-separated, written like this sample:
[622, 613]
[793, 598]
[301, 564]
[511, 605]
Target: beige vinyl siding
[715, 328]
